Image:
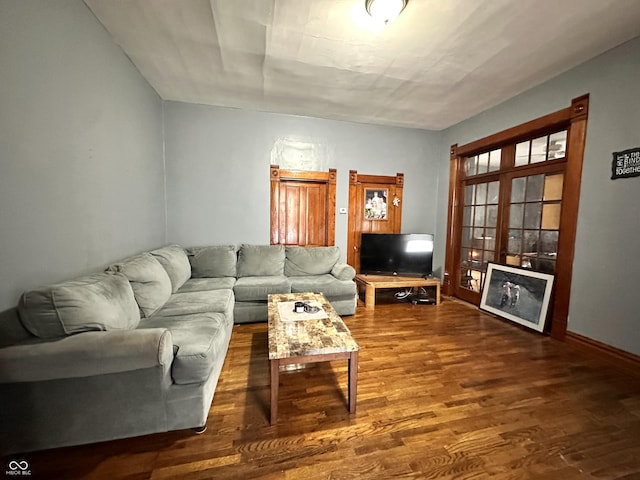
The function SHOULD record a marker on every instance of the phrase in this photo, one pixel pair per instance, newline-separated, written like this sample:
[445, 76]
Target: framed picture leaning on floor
[517, 294]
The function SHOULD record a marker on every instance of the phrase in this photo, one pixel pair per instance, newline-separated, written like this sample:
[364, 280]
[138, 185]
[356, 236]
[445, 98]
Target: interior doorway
[375, 206]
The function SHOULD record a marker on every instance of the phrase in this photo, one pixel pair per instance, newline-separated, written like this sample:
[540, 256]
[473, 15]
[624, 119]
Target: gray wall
[218, 169]
[81, 173]
[604, 296]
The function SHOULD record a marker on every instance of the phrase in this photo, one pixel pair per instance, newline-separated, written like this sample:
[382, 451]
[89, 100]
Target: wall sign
[626, 164]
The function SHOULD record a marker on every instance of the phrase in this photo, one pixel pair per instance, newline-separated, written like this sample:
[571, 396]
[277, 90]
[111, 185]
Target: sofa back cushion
[260, 260]
[149, 281]
[175, 262]
[102, 301]
[302, 261]
[215, 261]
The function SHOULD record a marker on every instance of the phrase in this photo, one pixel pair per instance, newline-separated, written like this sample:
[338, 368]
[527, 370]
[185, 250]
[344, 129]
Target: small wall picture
[375, 207]
[517, 294]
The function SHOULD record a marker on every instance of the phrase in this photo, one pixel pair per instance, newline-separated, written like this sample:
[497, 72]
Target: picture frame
[517, 294]
[375, 203]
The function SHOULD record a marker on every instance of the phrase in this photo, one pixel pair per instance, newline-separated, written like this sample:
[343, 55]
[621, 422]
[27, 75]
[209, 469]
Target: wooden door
[375, 206]
[303, 207]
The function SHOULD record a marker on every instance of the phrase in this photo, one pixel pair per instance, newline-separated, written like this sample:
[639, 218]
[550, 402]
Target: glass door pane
[534, 221]
[479, 229]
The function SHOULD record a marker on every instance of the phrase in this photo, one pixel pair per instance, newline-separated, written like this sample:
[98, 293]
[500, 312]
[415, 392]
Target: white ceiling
[440, 62]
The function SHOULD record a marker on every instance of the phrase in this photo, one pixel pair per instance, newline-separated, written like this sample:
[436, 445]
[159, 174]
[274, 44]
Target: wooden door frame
[356, 179]
[279, 175]
[574, 118]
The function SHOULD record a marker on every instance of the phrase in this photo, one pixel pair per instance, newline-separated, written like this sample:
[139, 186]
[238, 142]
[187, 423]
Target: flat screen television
[408, 254]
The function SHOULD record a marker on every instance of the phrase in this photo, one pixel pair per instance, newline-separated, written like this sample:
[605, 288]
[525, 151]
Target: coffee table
[298, 341]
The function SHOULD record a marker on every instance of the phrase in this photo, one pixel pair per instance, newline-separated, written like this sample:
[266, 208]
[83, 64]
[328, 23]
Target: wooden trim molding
[620, 358]
[453, 247]
[576, 137]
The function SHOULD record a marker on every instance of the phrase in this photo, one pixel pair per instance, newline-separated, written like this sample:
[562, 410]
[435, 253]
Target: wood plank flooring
[444, 392]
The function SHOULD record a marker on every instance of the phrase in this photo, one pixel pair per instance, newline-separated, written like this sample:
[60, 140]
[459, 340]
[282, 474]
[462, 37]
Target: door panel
[479, 233]
[375, 206]
[302, 207]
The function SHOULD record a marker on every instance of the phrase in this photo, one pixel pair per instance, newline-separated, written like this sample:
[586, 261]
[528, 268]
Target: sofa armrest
[87, 354]
[343, 271]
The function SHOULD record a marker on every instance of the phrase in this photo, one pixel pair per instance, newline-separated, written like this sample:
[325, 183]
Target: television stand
[373, 282]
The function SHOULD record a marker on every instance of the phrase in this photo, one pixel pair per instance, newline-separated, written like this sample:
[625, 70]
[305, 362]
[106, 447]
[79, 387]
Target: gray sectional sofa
[139, 348]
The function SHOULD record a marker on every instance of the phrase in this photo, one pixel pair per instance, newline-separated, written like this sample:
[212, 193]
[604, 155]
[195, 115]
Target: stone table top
[307, 337]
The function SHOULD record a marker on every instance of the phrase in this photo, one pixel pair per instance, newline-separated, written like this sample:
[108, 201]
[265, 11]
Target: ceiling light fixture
[385, 11]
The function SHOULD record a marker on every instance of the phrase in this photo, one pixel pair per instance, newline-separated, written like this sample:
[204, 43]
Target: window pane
[492, 215]
[483, 163]
[545, 265]
[513, 260]
[469, 193]
[553, 187]
[535, 184]
[548, 243]
[470, 166]
[522, 153]
[490, 239]
[516, 212]
[515, 242]
[539, 150]
[492, 192]
[494, 160]
[551, 216]
[466, 237]
[532, 214]
[467, 215]
[557, 145]
[487, 257]
[481, 194]
[517, 189]
[478, 219]
[531, 241]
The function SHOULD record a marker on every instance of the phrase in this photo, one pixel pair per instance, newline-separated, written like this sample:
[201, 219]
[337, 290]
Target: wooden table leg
[353, 381]
[370, 296]
[275, 383]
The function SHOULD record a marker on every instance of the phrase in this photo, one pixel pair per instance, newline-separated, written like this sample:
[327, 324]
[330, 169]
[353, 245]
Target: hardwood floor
[444, 392]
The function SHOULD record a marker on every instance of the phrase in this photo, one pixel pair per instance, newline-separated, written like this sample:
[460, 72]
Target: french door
[513, 200]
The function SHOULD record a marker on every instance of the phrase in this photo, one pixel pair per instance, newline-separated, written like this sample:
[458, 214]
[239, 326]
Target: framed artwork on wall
[517, 294]
[375, 207]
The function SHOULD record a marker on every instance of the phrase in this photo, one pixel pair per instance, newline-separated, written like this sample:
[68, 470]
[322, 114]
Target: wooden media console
[373, 282]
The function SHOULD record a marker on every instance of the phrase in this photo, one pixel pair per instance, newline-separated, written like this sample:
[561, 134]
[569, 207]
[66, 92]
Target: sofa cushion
[198, 341]
[202, 284]
[213, 261]
[259, 288]
[102, 301]
[260, 260]
[149, 280]
[327, 284]
[310, 260]
[188, 303]
[174, 260]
